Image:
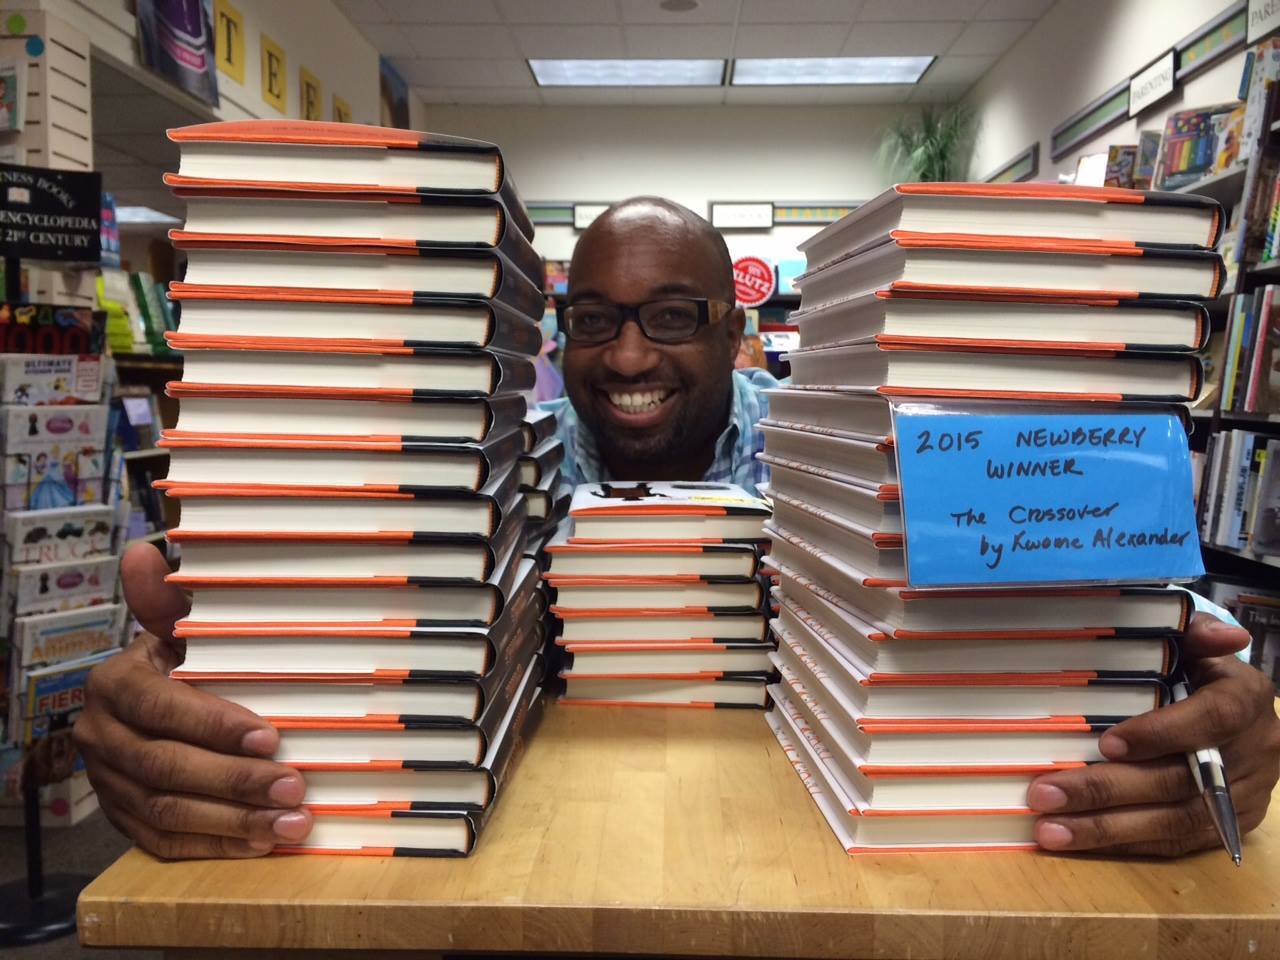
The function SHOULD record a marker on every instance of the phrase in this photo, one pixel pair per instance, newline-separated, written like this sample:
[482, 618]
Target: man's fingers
[184, 846]
[156, 604]
[1102, 785]
[184, 813]
[1123, 825]
[1213, 715]
[173, 767]
[142, 699]
[1173, 827]
[1207, 637]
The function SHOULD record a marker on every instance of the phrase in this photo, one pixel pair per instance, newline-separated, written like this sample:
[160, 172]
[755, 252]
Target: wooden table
[685, 832]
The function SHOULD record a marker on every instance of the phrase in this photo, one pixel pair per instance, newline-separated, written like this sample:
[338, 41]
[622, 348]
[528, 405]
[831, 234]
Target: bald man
[651, 331]
[657, 398]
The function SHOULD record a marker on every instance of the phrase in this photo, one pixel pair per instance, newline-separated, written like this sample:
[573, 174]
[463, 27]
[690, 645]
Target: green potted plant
[935, 144]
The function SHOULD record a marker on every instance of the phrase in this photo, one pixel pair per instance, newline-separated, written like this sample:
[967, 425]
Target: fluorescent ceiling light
[143, 215]
[797, 71]
[628, 73]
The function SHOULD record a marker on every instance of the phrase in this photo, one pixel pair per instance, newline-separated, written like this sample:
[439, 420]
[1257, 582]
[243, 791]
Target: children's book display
[59, 609]
[355, 467]
[969, 591]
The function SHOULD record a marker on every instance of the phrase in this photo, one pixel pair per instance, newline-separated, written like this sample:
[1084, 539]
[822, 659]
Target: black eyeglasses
[671, 320]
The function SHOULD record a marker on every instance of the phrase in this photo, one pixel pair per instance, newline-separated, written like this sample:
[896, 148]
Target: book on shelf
[541, 462]
[294, 156]
[1027, 210]
[292, 463]
[1013, 268]
[885, 318]
[1122, 162]
[567, 560]
[358, 318]
[540, 498]
[211, 512]
[478, 221]
[942, 828]
[307, 315]
[1191, 144]
[661, 512]
[938, 371]
[336, 783]
[257, 411]
[1239, 490]
[221, 362]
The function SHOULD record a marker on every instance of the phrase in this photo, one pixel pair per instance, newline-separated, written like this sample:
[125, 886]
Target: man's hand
[1144, 801]
[182, 773]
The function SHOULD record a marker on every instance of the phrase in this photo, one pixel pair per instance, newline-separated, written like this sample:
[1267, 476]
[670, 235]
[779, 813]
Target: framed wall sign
[742, 216]
[1152, 84]
[585, 213]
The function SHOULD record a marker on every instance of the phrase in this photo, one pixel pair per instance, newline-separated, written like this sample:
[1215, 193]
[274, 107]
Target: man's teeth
[638, 402]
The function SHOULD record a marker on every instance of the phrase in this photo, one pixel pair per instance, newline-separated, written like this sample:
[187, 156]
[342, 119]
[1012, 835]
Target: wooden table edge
[688, 930]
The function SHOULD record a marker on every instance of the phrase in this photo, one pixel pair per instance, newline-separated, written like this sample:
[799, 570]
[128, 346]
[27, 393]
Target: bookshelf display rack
[1257, 570]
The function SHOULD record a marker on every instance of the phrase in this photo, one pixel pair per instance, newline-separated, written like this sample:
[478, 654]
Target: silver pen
[1211, 779]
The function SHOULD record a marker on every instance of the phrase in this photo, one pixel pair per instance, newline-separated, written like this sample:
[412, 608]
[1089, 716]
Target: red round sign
[753, 281]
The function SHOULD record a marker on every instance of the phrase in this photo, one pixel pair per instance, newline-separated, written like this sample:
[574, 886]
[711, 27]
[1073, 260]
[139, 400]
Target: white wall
[1074, 54]
[689, 154]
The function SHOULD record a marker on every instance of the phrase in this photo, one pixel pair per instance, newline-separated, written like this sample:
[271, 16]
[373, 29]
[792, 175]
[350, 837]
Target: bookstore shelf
[1263, 558]
[1267, 270]
[148, 452]
[1225, 187]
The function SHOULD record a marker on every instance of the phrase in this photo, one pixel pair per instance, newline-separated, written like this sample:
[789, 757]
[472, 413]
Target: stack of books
[357, 324]
[918, 717]
[658, 595]
[546, 498]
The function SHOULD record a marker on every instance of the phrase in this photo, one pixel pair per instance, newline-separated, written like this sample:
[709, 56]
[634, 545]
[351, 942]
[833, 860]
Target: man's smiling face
[655, 409]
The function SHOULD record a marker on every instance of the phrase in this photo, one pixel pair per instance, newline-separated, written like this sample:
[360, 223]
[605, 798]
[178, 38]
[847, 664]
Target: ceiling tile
[707, 11]
[451, 42]
[919, 9]
[939, 93]
[390, 39]
[558, 11]
[900, 39]
[1014, 9]
[363, 11]
[797, 40]
[951, 70]
[478, 95]
[695, 41]
[418, 72]
[442, 11]
[799, 11]
[869, 93]
[676, 96]
[578, 43]
[989, 37]
[587, 96]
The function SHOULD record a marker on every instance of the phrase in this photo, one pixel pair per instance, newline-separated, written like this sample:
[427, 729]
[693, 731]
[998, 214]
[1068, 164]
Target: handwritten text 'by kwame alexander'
[1046, 498]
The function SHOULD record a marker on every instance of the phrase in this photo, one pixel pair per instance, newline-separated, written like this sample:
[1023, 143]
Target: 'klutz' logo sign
[753, 281]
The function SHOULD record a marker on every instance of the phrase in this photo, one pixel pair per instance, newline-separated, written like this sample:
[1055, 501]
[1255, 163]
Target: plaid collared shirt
[736, 447]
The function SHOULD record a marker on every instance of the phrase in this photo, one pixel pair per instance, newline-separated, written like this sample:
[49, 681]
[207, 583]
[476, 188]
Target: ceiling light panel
[628, 73]
[808, 71]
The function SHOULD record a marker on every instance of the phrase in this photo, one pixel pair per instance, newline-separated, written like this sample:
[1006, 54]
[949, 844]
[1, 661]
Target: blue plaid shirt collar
[736, 447]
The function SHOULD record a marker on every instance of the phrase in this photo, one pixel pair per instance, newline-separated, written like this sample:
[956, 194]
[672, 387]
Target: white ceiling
[474, 51]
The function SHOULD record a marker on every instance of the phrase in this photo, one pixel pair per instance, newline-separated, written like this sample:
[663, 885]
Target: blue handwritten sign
[1045, 498]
